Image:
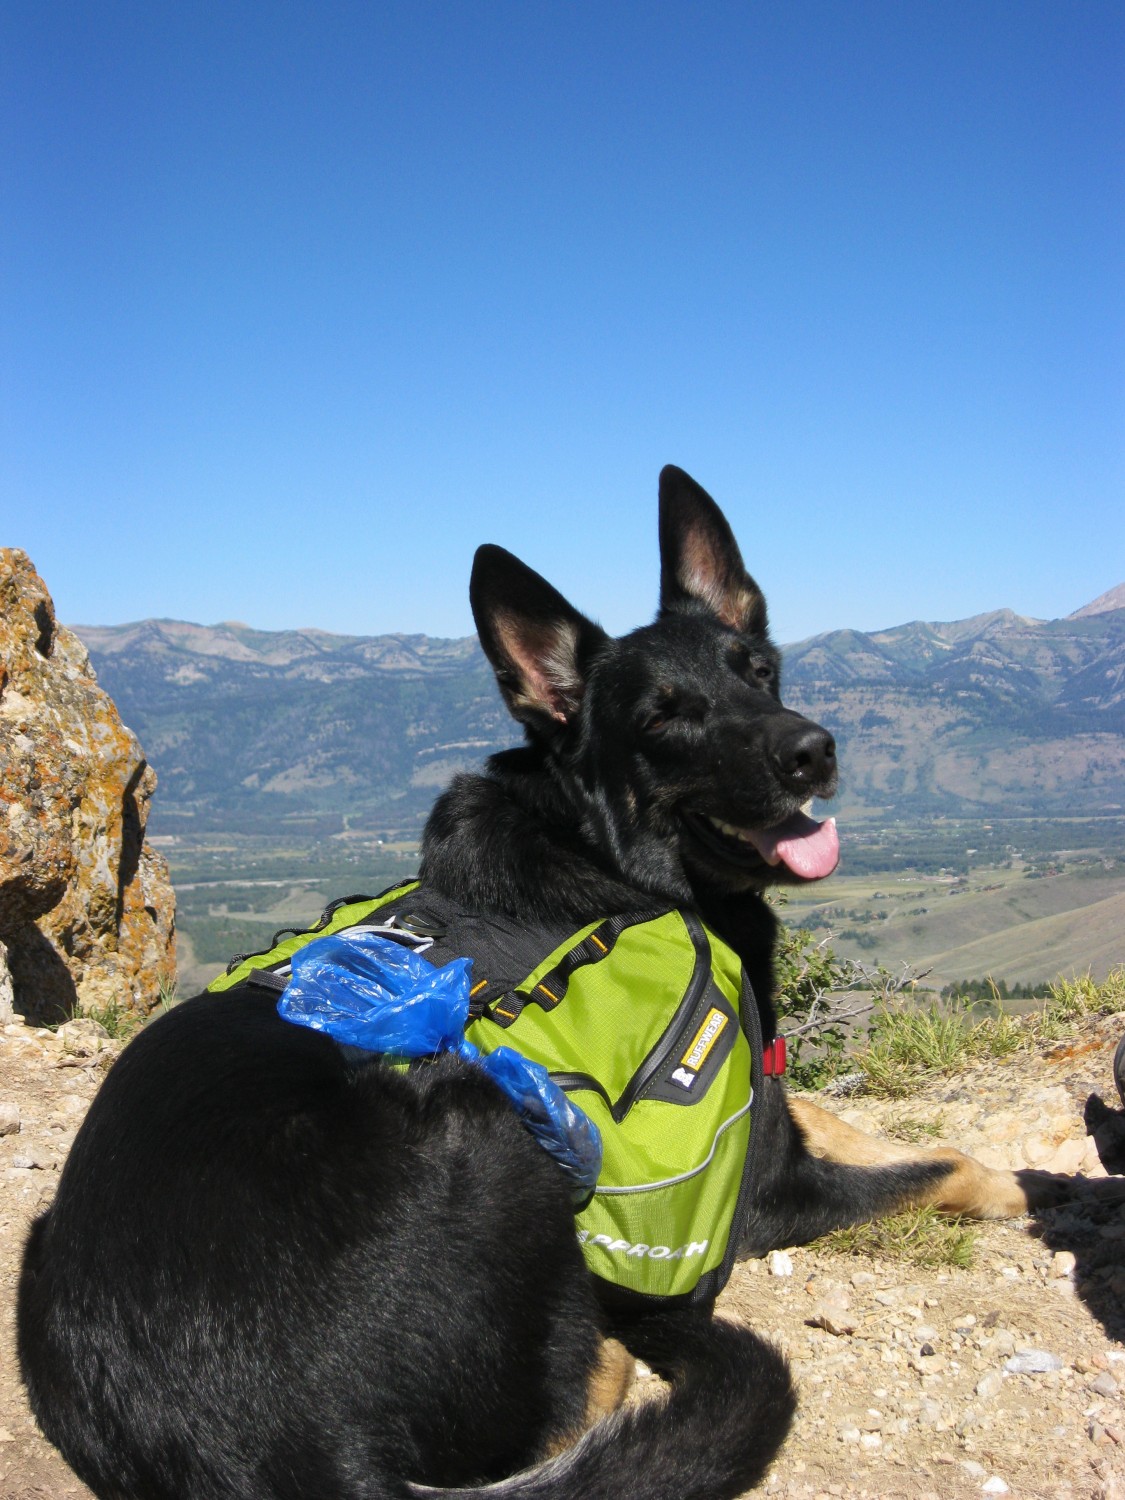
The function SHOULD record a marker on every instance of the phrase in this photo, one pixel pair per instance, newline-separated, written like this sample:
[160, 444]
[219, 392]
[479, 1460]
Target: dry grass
[1074, 999]
[908, 1043]
[119, 1023]
[916, 1237]
[914, 1131]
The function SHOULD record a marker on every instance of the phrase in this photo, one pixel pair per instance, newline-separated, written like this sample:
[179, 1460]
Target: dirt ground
[1006, 1378]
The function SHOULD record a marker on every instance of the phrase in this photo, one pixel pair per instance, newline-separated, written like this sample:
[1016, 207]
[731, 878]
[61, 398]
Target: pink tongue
[810, 849]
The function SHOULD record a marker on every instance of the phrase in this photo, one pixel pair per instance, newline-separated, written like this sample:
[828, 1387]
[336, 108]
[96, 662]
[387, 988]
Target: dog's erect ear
[700, 563]
[540, 646]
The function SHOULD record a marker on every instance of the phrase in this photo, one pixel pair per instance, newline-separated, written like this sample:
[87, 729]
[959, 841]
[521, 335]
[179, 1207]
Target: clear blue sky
[301, 301]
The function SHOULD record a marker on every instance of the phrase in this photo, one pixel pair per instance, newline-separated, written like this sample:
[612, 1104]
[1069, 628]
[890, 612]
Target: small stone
[1104, 1385]
[927, 1350]
[32, 1160]
[1032, 1362]
[1037, 1148]
[887, 1299]
[83, 1035]
[924, 1332]
[780, 1263]
[990, 1385]
[863, 1278]
[9, 1118]
[1063, 1263]
[871, 1440]
[994, 1485]
[973, 1469]
[832, 1319]
[967, 1320]
[1066, 1158]
[849, 1434]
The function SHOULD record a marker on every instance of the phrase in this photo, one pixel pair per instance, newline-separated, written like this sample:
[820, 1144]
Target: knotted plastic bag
[369, 991]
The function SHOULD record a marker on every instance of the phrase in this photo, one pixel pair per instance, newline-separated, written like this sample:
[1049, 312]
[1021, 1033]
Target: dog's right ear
[539, 645]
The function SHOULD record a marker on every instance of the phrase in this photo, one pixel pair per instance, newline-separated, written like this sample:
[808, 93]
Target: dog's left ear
[539, 645]
[700, 563]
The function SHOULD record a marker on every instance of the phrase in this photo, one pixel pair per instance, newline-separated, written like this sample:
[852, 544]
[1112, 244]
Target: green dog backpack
[648, 1023]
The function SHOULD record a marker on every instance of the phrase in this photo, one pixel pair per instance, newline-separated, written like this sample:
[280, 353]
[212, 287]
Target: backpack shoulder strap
[266, 966]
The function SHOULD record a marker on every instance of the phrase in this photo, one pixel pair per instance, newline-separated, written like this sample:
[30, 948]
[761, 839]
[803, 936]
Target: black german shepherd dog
[270, 1274]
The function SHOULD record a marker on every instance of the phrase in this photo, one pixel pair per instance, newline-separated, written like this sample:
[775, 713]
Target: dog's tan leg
[610, 1383]
[968, 1187]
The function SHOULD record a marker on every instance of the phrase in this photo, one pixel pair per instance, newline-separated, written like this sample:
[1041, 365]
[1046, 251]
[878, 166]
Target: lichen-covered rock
[87, 914]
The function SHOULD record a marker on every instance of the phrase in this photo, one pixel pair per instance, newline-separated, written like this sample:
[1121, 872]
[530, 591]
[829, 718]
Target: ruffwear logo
[611, 1246]
[698, 1050]
[714, 1024]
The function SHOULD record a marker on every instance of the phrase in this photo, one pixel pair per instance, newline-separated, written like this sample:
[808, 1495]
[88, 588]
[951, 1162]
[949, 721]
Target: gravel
[1004, 1379]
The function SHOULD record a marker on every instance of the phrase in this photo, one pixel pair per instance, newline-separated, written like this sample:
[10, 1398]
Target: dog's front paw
[1053, 1189]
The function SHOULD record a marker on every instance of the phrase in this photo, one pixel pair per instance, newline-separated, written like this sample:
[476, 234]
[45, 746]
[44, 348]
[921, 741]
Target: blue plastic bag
[369, 991]
[372, 992]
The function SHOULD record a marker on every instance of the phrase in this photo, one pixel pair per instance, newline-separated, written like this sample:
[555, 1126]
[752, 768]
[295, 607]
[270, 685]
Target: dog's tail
[710, 1437]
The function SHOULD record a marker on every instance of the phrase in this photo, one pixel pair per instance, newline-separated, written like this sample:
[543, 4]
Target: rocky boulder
[87, 913]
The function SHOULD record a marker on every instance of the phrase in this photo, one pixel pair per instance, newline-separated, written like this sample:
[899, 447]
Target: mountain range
[264, 731]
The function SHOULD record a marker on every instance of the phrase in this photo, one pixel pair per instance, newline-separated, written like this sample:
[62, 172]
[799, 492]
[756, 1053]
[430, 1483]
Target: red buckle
[773, 1057]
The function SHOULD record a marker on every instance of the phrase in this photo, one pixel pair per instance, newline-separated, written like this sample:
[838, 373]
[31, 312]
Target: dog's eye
[657, 722]
[749, 667]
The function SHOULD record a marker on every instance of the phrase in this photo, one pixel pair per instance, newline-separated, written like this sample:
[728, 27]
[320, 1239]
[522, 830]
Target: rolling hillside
[254, 730]
[993, 716]
[251, 731]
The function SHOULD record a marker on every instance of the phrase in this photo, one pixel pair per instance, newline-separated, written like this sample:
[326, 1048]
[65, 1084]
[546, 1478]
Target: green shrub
[808, 981]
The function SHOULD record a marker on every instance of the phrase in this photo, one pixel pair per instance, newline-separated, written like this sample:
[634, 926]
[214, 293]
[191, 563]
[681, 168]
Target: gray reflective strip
[648, 1187]
[271, 977]
[420, 942]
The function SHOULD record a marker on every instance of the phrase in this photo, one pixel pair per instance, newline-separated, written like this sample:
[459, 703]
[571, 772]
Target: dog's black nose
[805, 757]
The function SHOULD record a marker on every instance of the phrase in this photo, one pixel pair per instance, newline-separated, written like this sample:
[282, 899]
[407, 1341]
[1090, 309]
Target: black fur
[269, 1274]
[629, 742]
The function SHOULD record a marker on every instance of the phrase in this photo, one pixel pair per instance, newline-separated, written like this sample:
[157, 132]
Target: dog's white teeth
[730, 830]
